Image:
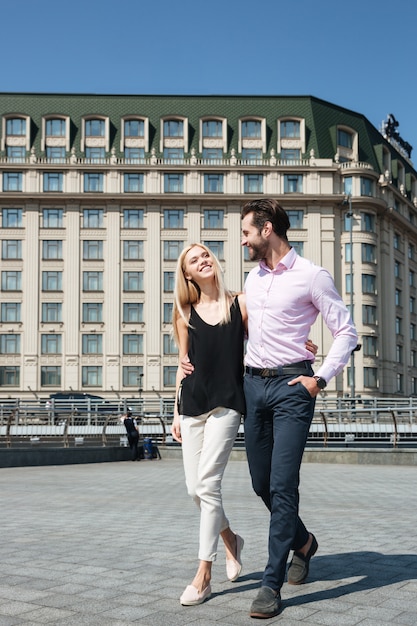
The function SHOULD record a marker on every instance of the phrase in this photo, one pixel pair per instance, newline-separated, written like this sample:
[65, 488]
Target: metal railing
[337, 422]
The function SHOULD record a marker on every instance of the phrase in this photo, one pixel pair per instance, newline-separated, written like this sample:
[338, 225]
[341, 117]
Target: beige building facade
[99, 194]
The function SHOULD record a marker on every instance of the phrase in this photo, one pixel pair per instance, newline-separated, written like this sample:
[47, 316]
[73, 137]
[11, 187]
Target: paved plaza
[116, 543]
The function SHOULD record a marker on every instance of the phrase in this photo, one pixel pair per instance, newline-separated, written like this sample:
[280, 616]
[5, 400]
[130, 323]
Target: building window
[348, 252]
[132, 281]
[93, 218]
[367, 186]
[213, 183]
[11, 281]
[344, 138]
[50, 376]
[173, 183]
[399, 353]
[95, 128]
[172, 250]
[411, 251]
[400, 383]
[412, 278]
[92, 281]
[95, 154]
[253, 183]
[51, 249]
[169, 281]
[173, 128]
[93, 182]
[92, 250]
[347, 185]
[290, 155]
[10, 312]
[15, 154]
[368, 253]
[16, 126]
[296, 218]
[370, 377]
[213, 218]
[133, 218]
[167, 314]
[12, 218]
[290, 129]
[369, 345]
[368, 222]
[10, 376]
[133, 312]
[174, 154]
[217, 248]
[51, 344]
[412, 332]
[399, 326]
[51, 281]
[293, 183]
[92, 344]
[134, 128]
[55, 154]
[92, 312]
[134, 154]
[213, 129]
[11, 249]
[170, 347]
[368, 283]
[92, 376]
[412, 305]
[10, 344]
[170, 373]
[368, 314]
[251, 129]
[398, 297]
[413, 358]
[348, 283]
[397, 269]
[52, 218]
[213, 154]
[252, 154]
[12, 181]
[298, 247]
[51, 312]
[55, 127]
[173, 218]
[132, 375]
[133, 183]
[133, 250]
[133, 344]
[53, 181]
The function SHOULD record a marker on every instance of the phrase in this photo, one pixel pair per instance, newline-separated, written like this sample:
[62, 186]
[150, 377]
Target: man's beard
[257, 252]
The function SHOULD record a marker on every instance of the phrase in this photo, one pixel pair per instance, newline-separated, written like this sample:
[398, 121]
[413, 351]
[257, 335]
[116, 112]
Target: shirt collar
[286, 262]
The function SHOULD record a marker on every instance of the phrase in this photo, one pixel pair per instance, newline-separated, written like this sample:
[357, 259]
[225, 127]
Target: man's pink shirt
[283, 304]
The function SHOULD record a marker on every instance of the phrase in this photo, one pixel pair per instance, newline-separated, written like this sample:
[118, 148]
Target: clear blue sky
[360, 54]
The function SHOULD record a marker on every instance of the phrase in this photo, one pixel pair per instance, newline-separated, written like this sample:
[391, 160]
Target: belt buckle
[265, 373]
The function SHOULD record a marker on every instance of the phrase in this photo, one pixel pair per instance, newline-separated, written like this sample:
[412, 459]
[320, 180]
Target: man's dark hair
[268, 210]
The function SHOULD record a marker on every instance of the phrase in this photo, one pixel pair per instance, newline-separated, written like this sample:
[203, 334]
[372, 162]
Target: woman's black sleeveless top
[217, 355]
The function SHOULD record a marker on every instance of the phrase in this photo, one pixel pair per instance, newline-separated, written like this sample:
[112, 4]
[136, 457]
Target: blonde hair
[188, 292]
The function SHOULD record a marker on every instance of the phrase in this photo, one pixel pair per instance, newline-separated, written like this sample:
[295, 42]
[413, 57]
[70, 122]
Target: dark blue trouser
[278, 418]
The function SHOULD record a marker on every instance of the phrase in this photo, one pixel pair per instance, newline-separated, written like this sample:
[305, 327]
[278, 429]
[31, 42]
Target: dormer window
[213, 138]
[95, 134]
[347, 144]
[135, 138]
[291, 138]
[252, 137]
[174, 135]
[55, 137]
[16, 134]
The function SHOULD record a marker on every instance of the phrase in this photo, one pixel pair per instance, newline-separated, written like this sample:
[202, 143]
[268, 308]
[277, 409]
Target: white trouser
[207, 441]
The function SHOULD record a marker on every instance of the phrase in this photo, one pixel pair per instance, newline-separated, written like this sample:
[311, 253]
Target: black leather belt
[294, 369]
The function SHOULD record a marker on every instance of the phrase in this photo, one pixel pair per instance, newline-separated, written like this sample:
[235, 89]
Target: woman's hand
[176, 429]
[311, 347]
[186, 366]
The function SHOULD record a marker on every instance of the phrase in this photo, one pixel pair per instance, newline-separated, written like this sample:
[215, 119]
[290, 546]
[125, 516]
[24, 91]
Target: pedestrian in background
[132, 431]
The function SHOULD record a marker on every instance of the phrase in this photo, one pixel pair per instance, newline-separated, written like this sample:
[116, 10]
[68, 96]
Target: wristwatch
[321, 383]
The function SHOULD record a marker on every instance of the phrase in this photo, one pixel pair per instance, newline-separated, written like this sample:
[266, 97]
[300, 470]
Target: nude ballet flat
[191, 596]
[234, 566]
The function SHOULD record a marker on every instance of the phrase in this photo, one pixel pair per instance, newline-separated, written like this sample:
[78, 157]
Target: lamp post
[349, 214]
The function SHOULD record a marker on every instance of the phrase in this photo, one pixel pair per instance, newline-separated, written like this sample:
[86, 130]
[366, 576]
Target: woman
[209, 325]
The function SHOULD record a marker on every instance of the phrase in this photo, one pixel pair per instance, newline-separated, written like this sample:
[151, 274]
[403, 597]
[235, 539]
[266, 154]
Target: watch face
[321, 383]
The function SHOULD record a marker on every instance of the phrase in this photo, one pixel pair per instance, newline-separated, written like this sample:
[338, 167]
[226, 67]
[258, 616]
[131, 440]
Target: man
[132, 432]
[284, 295]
